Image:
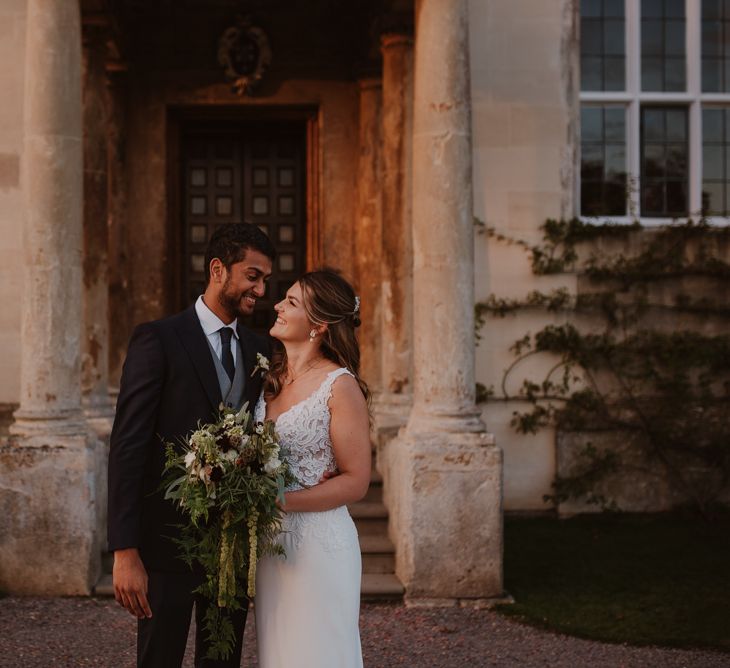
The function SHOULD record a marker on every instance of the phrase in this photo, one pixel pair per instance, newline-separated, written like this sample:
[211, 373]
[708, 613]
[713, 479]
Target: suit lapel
[193, 339]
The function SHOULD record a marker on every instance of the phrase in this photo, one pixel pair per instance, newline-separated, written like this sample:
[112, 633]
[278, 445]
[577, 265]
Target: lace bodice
[304, 433]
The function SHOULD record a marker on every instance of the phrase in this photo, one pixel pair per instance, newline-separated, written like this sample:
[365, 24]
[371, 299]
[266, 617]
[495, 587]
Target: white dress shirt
[211, 323]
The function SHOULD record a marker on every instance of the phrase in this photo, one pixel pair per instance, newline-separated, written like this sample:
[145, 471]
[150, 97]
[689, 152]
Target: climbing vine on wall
[642, 350]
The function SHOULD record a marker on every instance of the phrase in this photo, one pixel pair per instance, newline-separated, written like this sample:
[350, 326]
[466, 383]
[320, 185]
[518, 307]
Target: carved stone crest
[245, 55]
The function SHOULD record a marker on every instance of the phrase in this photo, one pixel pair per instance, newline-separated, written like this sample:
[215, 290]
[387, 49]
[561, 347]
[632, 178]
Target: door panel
[250, 173]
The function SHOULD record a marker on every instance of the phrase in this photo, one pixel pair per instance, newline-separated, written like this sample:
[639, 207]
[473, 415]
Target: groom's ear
[217, 270]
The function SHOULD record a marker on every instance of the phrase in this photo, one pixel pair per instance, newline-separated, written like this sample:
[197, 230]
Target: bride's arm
[350, 435]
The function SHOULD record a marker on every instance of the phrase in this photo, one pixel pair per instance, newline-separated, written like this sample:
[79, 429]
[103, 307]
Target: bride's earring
[312, 334]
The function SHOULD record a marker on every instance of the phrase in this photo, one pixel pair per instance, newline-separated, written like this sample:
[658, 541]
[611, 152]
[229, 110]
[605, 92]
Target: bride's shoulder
[345, 391]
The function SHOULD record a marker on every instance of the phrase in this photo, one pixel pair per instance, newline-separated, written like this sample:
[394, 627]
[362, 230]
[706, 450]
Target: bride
[307, 604]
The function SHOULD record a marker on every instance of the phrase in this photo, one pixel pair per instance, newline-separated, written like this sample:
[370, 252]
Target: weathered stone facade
[97, 200]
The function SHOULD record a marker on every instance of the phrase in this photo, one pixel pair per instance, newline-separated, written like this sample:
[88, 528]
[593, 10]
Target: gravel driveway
[38, 632]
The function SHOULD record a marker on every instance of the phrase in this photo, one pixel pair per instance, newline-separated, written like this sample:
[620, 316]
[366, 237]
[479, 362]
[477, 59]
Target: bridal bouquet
[226, 479]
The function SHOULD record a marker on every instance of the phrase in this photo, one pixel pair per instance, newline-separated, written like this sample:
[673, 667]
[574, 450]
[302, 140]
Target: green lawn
[646, 579]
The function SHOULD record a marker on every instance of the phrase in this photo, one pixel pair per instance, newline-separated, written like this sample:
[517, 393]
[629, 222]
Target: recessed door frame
[178, 118]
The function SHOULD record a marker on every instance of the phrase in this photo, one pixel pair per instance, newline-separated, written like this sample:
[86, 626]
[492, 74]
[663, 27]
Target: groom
[177, 372]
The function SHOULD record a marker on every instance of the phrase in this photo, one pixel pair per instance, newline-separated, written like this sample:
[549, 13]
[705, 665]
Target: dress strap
[326, 388]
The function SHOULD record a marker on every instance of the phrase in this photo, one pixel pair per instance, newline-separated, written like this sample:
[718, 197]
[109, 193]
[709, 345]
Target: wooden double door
[246, 172]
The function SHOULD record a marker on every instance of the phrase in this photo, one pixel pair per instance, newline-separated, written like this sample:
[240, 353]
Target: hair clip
[357, 303]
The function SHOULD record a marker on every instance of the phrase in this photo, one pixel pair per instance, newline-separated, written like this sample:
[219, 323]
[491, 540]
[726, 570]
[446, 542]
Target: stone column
[395, 399]
[95, 357]
[48, 542]
[446, 517]
[368, 232]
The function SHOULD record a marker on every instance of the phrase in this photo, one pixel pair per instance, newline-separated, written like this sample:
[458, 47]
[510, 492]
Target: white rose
[231, 455]
[259, 429]
[272, 464]
[189, 459]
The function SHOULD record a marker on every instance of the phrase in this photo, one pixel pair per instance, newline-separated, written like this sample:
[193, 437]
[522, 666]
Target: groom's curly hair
[230, 242]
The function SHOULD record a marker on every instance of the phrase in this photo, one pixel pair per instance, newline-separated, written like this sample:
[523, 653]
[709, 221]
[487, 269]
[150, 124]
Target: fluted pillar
[368, 231]
[48, 539]
[445, 473]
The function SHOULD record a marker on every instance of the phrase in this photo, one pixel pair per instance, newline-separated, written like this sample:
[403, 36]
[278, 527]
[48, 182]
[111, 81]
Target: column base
[49, 540]
[390, 412]
[40, 424]
[99, 414]
[445, 507]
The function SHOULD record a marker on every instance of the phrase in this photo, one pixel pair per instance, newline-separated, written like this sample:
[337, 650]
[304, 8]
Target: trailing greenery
[663, 389]
[639, 579]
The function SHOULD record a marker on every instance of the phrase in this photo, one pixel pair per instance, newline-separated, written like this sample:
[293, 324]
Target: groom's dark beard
[231, 301]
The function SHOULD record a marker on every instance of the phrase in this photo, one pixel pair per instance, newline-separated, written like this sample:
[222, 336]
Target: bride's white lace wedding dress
[307, 605]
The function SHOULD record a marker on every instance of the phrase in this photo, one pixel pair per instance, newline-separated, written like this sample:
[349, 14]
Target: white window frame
[632, 99]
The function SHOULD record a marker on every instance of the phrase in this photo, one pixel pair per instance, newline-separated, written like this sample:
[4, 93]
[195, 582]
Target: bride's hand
[327, 475]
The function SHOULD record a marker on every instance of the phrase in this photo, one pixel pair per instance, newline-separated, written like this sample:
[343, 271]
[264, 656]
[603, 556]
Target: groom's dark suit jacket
[168, 384]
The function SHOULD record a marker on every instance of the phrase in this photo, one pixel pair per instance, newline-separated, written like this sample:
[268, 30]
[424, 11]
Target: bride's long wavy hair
[328, 299]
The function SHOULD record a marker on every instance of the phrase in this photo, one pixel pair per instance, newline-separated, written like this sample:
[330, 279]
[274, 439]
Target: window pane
[654, 161]
[676, 125]
[603, 48]
[663, 65]
[713, 162]
[613, 37]
[715, 51]
[651, 38]
[712, 9]
[674, 38]
[713, 122]
[591, 74]
[715, 157]
[591, 8]
[603, 161]
[652, 8]
[613, 8]
[653, 122]
[676, 198]
[664, 161]
[674, 73]
[652, 74]
[613, 69]
[674, 8]
[711, 76]
[591, 37]
[615, 118]
[712, 198]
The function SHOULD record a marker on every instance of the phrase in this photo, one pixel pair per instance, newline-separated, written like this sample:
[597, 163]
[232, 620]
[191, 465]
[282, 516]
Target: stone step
[381, 587]
[378, 554]
[371, 518]
[368, 510]
[375, 586]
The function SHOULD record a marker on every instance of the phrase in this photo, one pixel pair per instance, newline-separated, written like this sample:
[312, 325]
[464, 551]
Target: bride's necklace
[315, 365]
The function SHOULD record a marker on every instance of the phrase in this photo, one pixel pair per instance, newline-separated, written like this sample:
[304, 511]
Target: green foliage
[663, 391]
[226, 477]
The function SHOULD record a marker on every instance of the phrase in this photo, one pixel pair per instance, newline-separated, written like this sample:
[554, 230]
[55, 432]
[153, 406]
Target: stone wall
[524, 114]
[12, 49]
